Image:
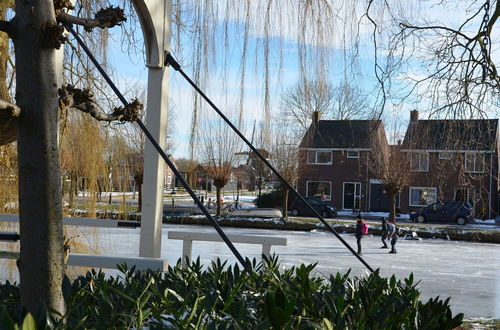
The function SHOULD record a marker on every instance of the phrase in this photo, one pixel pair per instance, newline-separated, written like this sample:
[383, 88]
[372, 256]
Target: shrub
[260, 296]
[273, 199]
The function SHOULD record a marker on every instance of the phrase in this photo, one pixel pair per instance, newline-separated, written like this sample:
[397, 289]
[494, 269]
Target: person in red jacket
[361, 229]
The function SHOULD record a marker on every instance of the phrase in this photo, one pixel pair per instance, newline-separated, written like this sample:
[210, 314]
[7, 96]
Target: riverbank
[482, 234]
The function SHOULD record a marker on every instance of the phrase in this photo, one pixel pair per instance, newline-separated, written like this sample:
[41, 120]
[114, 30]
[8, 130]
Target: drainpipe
[491, 183]
[368, 188]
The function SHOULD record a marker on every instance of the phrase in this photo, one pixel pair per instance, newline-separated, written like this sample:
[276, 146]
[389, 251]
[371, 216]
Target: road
[467, 272]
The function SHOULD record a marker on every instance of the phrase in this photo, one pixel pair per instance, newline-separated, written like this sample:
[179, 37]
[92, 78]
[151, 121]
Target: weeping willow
[401, 51]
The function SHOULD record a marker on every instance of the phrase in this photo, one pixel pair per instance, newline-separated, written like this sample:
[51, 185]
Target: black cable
[186, 186]
[176, 66]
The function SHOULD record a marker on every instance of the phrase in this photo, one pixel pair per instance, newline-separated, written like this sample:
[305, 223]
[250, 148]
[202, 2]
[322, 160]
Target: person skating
[384, 233]
[392, 235]
[361, 229]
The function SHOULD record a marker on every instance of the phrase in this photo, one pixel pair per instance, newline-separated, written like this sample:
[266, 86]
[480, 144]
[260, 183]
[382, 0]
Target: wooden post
[155, 18]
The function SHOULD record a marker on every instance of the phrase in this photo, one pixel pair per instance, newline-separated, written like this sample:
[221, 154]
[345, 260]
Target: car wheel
[295, 212]
[461, 221]
[420, 219]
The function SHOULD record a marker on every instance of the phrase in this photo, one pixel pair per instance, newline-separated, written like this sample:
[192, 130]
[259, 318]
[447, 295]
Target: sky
[223, 86]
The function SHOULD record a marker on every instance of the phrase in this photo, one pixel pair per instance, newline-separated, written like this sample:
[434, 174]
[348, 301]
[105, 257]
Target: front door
[352, 195]
[379, 201]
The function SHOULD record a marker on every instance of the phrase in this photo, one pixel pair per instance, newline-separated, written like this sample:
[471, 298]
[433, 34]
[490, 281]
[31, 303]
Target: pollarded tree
[219, 148]
[36, 35]
[390, 165]
[285, 158]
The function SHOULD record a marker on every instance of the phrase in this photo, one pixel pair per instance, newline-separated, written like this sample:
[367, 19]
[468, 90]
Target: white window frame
[476, 156]
[356, 155]
[421, 188]
[356, 196]
[329, 197]
[445, 155]
[419, 168]
[316, 157]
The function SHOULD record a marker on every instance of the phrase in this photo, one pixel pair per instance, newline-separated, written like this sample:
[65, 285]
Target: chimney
[413, 115]
[315, 117]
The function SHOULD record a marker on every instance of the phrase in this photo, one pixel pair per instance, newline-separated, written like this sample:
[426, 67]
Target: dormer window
[352, 154]
[319, 157]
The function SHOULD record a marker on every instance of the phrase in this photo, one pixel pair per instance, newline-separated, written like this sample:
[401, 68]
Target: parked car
[445, 211]
[298, 207]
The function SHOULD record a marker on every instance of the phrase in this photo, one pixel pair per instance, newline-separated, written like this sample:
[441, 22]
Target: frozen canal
[467, 272]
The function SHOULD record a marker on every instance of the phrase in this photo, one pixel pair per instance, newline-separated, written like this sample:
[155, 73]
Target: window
[422, 196]
[445, 155]
[319, 189]
[319, 157]
[420, 162]
[474, 163]
[465, 195]
[352, 154]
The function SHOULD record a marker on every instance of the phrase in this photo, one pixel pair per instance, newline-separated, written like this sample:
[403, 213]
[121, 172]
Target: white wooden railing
[188, 237]
[89, 260]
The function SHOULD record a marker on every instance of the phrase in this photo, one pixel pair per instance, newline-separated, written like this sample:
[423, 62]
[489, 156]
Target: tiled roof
[341, 134]
[474, 134]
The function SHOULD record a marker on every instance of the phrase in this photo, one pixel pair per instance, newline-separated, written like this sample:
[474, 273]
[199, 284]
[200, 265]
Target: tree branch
[71, 97]
[104, 18]
[6, 26]
[8, 113]
[8, 110]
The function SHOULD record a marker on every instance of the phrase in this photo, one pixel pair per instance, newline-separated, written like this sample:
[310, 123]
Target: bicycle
[231, 206]
[210, 204]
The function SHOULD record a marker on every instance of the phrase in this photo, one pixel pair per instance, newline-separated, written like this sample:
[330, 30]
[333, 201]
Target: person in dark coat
[384, 233]
[360, 224]
[393, 235]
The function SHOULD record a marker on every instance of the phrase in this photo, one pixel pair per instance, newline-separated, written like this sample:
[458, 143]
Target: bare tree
[299, 102]
[285, 158]
[390, 165]
[187, 166]
[448, 66]
[348, 102]
[219, 147]
[341, 102]
[136, 139]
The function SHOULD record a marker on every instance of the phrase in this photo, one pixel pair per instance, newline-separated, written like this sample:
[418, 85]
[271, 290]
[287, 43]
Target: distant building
[335, 158]
[452, 160]
[449, 160]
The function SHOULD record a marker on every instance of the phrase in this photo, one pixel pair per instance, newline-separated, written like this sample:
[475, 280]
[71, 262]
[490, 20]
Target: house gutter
[491, 184]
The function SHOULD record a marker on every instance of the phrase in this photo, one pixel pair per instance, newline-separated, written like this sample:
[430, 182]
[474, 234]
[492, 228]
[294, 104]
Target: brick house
[452, 160]
[334, 162]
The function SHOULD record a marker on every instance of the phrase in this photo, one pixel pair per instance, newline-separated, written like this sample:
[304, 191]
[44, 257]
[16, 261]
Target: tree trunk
[260, 185]
[285, 203]
[392, 206]
[71, 192]
[217, 189]
[41, 264]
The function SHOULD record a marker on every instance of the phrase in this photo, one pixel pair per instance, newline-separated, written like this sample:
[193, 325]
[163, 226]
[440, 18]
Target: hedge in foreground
[262, 296]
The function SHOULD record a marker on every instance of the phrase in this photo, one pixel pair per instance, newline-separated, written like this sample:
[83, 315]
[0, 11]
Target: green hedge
[262, 296]
[273, 199]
